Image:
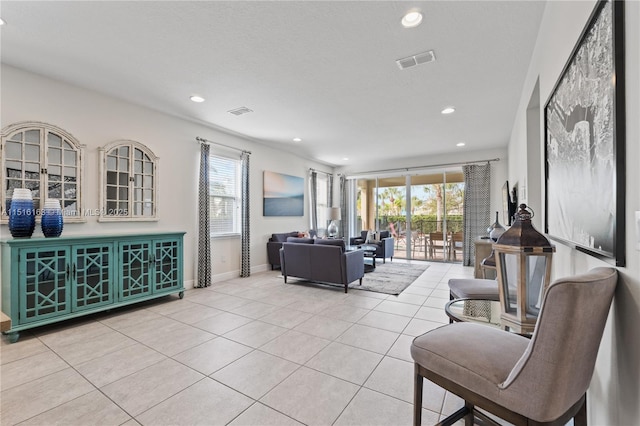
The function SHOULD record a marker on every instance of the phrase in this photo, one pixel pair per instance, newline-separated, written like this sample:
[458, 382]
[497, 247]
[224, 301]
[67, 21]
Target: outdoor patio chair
[436, 242]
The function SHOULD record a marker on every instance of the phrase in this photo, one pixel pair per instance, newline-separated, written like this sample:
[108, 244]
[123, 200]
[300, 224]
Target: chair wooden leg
[417, 397]
[580, 419]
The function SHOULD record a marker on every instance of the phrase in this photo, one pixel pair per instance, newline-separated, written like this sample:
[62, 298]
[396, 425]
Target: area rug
[390, 278]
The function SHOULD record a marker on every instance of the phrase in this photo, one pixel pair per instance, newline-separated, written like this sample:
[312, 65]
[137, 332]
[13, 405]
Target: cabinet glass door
[135, 269]
[92, 270]
[167, 265]
[43, 282]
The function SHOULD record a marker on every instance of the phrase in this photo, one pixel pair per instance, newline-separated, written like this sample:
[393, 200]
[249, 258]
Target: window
[129, 182]
[224, 190]
[321, 202]
[45, 159]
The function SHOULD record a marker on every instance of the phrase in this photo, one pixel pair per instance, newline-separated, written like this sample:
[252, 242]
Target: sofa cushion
[282, 237]
[299, 240]
[331, 242]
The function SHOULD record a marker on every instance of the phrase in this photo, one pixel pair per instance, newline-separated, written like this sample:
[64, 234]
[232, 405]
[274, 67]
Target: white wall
[95, 119]
[614, 395]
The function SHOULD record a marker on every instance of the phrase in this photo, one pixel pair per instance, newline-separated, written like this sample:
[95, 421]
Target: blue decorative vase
[22, 214]
[52, 218]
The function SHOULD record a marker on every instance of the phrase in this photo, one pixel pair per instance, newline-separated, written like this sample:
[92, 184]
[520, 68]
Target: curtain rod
[320, 171]
[208, 142]
[432, 166]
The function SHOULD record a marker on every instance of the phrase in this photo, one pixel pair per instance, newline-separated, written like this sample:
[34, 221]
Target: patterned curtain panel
[313, 200]
[477, 185]
[204, 231]
[330, 191]
[245, 269]
[343, 206]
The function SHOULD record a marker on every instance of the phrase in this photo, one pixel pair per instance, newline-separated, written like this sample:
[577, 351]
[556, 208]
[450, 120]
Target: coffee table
[481, 311]
[369, 252]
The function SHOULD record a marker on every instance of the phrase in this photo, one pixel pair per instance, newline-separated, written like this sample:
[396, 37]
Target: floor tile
[385, 321]
[205, 403]
[212, 355]
[310, 305]
[118, 364]
[195, 313]
[344, 313]
[326, 328]
[376, 409]
[345, 362]
[416, 327]
[27, 369]
[91, 409]
[432, 314]
[224, 302]
[254, 310]
[142, 390]
[394, 377]
[401, 349]
[286, 317]
[311, 397]
[94, 347]
[397, 308]
[412, 299]
[173, 338]
[27, 346]
[222, 323]
[362, 301]
[255, 374]
[369, 338]
[128, 318]
[295, 346]
[255, 334]
[435, 302]
[259, 414]
[37, 396]
[69, 332]
[170, 305]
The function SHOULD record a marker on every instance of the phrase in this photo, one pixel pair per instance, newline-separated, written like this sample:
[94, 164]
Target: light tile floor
[248, 351]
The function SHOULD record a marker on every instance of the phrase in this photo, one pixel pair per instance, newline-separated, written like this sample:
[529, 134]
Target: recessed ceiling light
[412, 19]
[345, 159]
[297, 140]
[197, 99]
[448, 110]
[2, 21]
[460, 144]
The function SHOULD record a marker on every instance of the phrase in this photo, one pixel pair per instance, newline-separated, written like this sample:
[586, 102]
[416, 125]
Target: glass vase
[22, 214]
[52, 222]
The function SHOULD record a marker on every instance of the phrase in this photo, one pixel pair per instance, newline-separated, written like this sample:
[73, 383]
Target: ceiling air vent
[417, 59]
[240, 111]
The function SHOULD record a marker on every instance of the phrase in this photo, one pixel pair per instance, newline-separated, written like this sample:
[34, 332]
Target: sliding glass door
[423, 212]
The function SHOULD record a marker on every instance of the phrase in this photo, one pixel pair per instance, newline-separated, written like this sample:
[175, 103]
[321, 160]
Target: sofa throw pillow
[282, 237]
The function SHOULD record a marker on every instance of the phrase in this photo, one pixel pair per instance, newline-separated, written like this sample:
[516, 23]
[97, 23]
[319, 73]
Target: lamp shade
[334, 213]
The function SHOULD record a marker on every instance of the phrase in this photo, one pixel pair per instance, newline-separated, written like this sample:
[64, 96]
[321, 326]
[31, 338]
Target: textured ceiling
[323, 71]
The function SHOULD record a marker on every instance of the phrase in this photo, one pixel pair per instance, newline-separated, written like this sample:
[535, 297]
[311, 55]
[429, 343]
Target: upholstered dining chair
[525, 382]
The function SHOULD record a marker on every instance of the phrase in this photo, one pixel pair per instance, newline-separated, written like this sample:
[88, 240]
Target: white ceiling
[323, 71]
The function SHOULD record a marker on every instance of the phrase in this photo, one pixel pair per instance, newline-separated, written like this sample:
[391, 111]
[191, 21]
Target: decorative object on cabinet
[283, 195]
[52, 220]
[129, 182]
[22, 215]
[585, 141]
[46, 280]
[495, 230]
[45, 159]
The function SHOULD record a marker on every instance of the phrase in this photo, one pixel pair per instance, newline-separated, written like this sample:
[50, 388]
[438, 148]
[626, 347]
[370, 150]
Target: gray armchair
[539, 381]
[384, 248]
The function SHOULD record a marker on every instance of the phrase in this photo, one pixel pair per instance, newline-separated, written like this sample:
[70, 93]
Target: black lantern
[523, 264]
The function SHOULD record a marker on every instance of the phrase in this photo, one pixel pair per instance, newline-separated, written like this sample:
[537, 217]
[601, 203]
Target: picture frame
[283, 195]
[584, 120]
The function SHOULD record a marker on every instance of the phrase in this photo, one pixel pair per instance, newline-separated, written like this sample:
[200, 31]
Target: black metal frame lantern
[523, 262]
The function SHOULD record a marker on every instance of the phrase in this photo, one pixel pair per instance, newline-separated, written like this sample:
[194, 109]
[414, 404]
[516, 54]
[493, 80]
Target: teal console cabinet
[45, 280]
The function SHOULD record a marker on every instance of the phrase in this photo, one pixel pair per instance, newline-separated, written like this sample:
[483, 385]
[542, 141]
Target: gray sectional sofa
[275, 244]
[323, 261]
